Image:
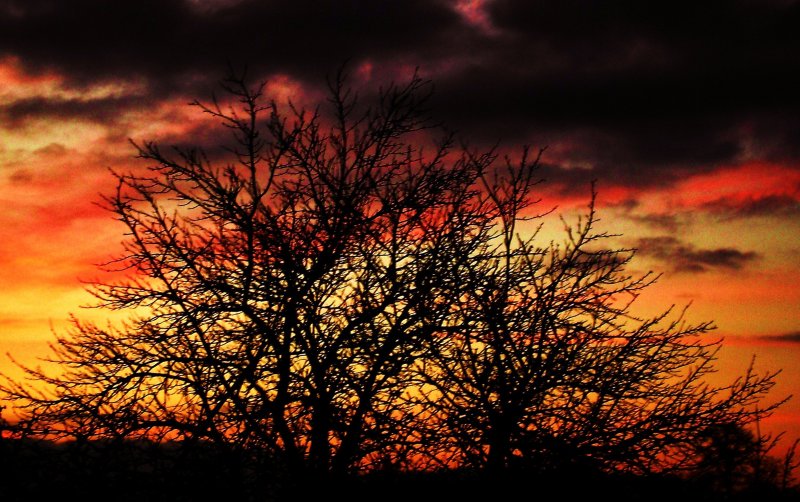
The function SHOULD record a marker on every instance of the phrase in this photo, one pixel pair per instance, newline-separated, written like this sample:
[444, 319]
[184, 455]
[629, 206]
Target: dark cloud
[768, 205]
[20, 177]
[660, 221]
[106, 110]
[649, 91]
[630, 209]
[793, 337]
[175, 49]
[684, 257]
[775, 137]
[169, 41]
[639, 93]
[642, 155]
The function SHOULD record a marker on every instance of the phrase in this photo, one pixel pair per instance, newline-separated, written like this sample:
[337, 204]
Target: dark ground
[38, 470]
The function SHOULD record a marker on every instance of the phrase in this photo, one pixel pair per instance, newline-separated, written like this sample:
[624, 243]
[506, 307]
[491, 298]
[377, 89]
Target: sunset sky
[686, 113]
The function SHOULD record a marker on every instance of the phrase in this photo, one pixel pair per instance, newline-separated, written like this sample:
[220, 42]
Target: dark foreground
[37, 470]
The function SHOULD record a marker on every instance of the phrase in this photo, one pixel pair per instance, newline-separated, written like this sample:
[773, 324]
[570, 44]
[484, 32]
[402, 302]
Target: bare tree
[275, 298]
[548, 366]
[338, 297]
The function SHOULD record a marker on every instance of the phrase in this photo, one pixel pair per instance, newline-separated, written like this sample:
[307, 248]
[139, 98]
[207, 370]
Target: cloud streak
[766, 205]
[683, 257]
[792, 337]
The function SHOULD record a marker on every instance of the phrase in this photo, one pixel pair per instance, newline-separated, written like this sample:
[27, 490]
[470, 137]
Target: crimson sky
[686, 113]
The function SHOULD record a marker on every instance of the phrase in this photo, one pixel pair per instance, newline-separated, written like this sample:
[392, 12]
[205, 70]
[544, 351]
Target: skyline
[686, 114]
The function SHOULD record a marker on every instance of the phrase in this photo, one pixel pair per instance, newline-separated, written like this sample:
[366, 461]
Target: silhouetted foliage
[339, 299]
[734, 461]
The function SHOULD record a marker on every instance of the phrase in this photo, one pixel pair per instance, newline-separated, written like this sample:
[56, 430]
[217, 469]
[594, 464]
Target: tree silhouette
[734, 460]
[549, 366]
[339, 297]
